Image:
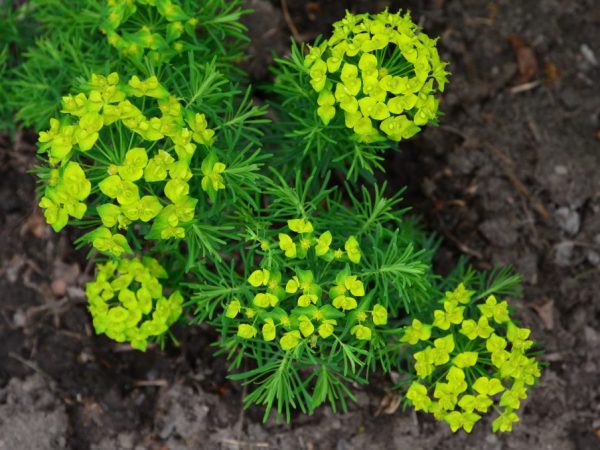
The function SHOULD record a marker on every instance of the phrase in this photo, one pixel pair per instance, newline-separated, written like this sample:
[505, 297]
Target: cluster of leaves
[316, 309]
[154, 153]
[473, 352]
[147, 172]
[108, 105]
[311, 311]
[16, 34]
[70, 44]
[134, 153]
[161, 40]
[375, 75]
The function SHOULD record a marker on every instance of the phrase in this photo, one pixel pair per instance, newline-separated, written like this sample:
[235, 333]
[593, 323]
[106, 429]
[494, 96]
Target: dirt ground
[510, 177]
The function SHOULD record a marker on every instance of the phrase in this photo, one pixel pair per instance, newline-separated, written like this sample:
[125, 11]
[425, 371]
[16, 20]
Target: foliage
[200, 210]
[315, 297]
[16, 33]
[71, 44]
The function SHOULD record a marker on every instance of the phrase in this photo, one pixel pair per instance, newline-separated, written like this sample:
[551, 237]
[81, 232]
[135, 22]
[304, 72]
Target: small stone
[19, 319]
[561, 170]
[126, 440]
[563, 253]
[568, 220]
[76, 293]
[588, 54]
[592, 337]
[59, 287]
[593, 257]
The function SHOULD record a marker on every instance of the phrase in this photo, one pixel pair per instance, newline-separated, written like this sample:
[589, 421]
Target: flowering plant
[474, 352]
[76, 39]
[377, 69]
[312, 285]
[377, 75]
[129, 168]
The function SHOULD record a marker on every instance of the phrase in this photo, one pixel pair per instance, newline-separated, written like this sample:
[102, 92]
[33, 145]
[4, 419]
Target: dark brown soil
[510, 177]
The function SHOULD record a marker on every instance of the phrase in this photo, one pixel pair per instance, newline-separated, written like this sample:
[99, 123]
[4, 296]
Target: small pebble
[563, 253]
[59, 287]
[561, 170]
[588, 54]
[593, 257]
[568, 220]
[19, 319]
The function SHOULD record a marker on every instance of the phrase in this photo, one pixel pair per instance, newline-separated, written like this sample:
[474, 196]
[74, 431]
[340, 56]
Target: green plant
[317, 302]
[76, 39]
[312, 285]
[146, 173]
[16, 33]
[473, 352]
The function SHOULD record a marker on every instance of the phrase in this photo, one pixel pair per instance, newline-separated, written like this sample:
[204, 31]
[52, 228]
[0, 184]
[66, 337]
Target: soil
[509, 177]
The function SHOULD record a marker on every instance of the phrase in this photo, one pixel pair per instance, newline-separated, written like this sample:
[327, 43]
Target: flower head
[480, 353]
[127, 302]
[379, 70]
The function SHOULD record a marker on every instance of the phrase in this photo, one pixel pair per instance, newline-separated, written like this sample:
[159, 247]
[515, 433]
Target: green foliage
[315, 298]
[71, 45]
[308, 139]
[16, 33]
[148, 164]
[151, 144]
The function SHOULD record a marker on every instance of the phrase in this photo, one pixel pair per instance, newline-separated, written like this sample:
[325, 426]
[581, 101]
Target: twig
[500, 154]
[522, 189]
[29, 364]
[524, 87]
[238, 443]
[161, 382]
[290, 23]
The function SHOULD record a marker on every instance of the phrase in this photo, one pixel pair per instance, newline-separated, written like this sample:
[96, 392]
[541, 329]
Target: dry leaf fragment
[526, 60]
[545, 311]
[389, 404]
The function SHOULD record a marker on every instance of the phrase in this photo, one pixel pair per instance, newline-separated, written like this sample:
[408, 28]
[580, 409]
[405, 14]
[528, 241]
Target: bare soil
[510, 177]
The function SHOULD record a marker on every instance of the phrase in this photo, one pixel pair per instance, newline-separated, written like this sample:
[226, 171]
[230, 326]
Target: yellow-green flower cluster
[306, 240]
[67, 188]
[475, 359]
[292, 305]
[128, 304]
[379, 70]
[130, 177]
[159, 39]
